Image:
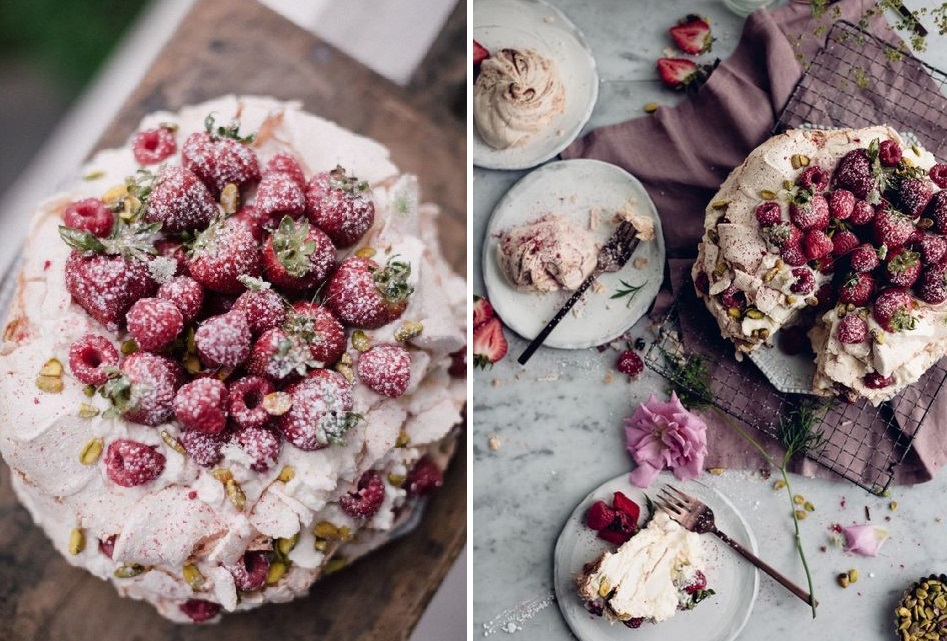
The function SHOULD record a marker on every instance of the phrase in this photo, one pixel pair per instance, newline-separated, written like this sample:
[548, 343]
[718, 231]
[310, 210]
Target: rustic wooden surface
[238, 46]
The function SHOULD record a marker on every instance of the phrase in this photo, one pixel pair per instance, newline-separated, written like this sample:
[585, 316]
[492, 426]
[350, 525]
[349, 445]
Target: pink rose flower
[864, 539]
[663, 435]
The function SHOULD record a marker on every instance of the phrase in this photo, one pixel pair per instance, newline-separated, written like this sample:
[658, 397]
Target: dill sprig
[798, 431]
[689, 379]
[627, 290]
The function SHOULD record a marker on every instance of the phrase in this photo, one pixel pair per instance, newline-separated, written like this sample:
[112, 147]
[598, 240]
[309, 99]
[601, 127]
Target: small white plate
[720, 617]
[576, 189]
[533, 24]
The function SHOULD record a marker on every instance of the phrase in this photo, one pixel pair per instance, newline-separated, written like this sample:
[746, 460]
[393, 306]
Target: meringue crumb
[640, 262]
[573, 198]
[560, 132]
[494, 442]
[548, 378]
[549, 19]
[496, 382]
[598, 287]
[609, 377]
[594, 215]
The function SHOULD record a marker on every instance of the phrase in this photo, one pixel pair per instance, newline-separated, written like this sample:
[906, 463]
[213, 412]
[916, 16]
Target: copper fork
[692, 514]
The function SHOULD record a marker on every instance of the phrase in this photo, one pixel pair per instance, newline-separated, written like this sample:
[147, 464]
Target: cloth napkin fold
[682, 154]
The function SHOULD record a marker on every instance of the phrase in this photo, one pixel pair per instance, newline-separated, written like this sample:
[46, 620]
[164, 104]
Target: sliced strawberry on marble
[692, 34]
[480, 53]
[489, 343]
[680, 73]
[482, 311]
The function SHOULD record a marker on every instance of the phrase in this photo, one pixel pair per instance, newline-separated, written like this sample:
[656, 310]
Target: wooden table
[238, 46]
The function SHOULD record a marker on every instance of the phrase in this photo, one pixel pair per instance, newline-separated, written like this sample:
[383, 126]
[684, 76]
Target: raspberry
[340, 205]
[863, 258]
[250, 572]
[200, 610]
[285, 163]
[804, 283]
[180, 201]
[852, 329]
[629, 363]
[599, 516]
[844, 241]
[385, 369]
[793, 255]
[698, 582]
[366, 500]
[768, 213]
[153, 381]
[914, 195]
[320, 412]
[938, 174]
[874, 380]
[245, 401]
[90, 357]
[151, 146]
[458, 363]
[186, 294]
[841, 204]
[634, 623]
[816, 244]
[810, 214]
[424, 478]
[263, 307]
[324, 333]
[201, 405]
[814, 178]
[154, 323]
[224, 340]
[733, 297]
[130, 463]
[278, 194]
[889, 153]
[863, 213]
[107, 546]
[261, 444]
[204, 449]
[89, 215]
[857, 289]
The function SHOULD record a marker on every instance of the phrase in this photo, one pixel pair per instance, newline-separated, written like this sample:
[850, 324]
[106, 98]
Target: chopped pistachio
[222, 475]
[798, 499]
[129, 347]
[720, 204]
[230, 199]
[604, 588]
[360, 341]
[192, 364]
[94, 175]
[286, 474]
[285, 545]
[801, 514]
[766, 194]
[366, 252]
[808, 506]
[334, 565]
[87, 410]
[346, 371]
[76, 541]
[754, 313]
[843, 579]
[396, 480]
[734, 312]
[852, 575]
[91, 452]
[893, 505]
[89, 390]
[716, 471]
[408, 330]
[321, 545]
[403, 439]
[326, 531]
[235, 494]
[113, 195]
[192, 576]
[126, 571]
[52, 367]
[50, 384]
[650, 107]
[172, 442]
[275, 573]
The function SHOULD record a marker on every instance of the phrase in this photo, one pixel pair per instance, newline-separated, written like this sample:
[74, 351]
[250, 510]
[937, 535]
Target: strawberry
[889, 153]
[176, 251]
[681, 73]
[201, 405]
[891, 227]
[841, 204]
[768, 213]
[813, 178]
[692, 34]
[902, 267]
[629, 363]
[144, 392]
[816, 244]
[363, 294]
[200, 610]
[856, 289]
[874, 380]
[154, 323]
[278, 356]
[852, 329]
[285, 163]
[220, 156]
[482, 311]
[130, 463]
[599, 516]
[224, 340]
[107, 286]
[245, 401]
[257, 222]
[91, 358]
[824, 264]
[698, 582]
[261, 444]
[204, 449]
[250, 572]
[180, 201]
[938, 174]
[863, 258]
[91, 215]
[804, 283]
[932, 248]
[298, 256]
[385, 369]
[622, 527]
[320, 329]
[423, 478]
[785, 234]
[489, 343]
[809, 212]
[367, 498]
[186, 294]
[893, 310]
[278, 194]
[262, 306]
[340, 205]
[151, 146]
[793, 255]
[914, 195]
[626, 505]
[221, 254]
[321, 411]
[843, 241]
[937, 211]
[863, 213]
[932, 284]
[854, 173]
[480, 53]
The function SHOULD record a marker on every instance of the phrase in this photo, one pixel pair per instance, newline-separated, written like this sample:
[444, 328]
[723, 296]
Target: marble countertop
[545, 435]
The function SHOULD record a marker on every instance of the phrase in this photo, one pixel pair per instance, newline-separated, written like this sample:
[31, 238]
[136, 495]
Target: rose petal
[864, 539]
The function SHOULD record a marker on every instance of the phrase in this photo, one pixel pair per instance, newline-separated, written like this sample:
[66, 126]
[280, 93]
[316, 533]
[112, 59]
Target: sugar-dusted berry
[130, 463]
[321, 411]
[204, 449]
[224, 340]
[261, 444]
[202, 405]
[91, 357]
[151, 146]
[186, 294]
[340, 205]
[385, 369]
[297, 256]
[285, 163]
[154, 323]
[91, 215]
[180, 201]
[367, 498]
[223, 253]
[278, 195]
[363, 294]
[852, 329]
[245, 401]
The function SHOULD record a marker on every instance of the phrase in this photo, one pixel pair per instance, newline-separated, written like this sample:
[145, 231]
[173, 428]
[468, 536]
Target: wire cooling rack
[856, 80]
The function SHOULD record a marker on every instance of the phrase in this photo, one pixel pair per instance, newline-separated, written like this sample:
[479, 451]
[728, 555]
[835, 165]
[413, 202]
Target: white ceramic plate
[533, 24]
[790, 374]
[576, 189]
[720, 617]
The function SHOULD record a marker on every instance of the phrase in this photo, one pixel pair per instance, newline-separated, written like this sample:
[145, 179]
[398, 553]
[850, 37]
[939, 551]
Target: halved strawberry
[482, 311]
[599, 516]
[489, 343]
[692, 34]
[480, 53]
[681, 73]
[626, 505]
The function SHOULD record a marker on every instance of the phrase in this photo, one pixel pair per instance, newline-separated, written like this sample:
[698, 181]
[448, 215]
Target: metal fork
[693, 515]
[611, 257]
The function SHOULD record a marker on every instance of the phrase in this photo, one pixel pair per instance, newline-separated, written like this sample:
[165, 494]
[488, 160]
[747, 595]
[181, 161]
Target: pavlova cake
[843, 233]
[227, 368]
